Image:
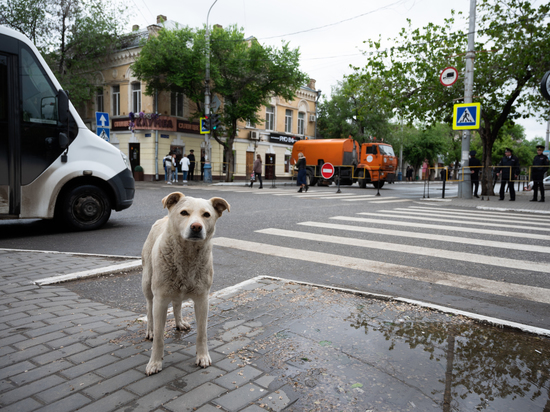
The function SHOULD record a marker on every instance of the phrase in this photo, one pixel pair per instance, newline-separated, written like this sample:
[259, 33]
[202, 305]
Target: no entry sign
[327, 170]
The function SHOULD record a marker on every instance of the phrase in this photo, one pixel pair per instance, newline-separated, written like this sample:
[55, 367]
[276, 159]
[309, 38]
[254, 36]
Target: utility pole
[207, 148]
[465, 190]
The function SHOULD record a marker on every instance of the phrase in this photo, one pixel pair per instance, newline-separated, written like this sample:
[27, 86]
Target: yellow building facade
[161, 124]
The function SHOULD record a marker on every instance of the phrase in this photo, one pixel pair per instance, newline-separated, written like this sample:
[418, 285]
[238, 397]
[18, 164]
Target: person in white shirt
[184, 162]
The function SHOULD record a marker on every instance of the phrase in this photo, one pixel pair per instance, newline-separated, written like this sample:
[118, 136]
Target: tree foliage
[512, 54]
[347, 112]
[243, 72]
[72, 35]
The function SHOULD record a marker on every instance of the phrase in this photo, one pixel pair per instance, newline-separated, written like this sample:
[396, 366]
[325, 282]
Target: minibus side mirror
[63, 106]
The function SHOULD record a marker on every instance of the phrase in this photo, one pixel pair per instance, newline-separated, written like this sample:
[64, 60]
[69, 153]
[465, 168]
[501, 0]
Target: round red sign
[327, 170]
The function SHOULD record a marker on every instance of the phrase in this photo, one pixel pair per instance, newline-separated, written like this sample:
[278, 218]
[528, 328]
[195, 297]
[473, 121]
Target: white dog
[177, 265]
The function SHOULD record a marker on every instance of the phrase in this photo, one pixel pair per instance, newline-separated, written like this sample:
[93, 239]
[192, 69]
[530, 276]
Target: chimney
[161, 19]
[135, 27]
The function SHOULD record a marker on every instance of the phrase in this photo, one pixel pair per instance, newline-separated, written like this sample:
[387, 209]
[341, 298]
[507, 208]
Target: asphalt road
[405, 248]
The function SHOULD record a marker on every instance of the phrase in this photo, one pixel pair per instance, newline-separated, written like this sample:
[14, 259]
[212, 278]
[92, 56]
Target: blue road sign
[466, 116]
[102, 120]
[104, 133]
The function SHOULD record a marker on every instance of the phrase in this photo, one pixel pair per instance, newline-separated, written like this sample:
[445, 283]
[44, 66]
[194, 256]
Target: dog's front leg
[201, 315]
[160, 307]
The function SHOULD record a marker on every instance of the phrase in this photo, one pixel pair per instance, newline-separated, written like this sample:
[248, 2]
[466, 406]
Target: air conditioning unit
[254, 135]
[311, 117]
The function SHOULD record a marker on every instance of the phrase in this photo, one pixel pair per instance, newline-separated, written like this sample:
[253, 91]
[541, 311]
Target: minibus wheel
[85, 207]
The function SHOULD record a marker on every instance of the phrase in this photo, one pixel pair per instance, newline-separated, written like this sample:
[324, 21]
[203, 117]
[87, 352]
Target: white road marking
[416, 250]
[376, 201]
[531, 293]
[443, 227]
[430, 236]
[503, 225]
[532, 218]
[450, 213]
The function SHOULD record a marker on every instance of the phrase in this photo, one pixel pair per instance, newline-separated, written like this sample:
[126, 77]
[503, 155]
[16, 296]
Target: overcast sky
[330, 34]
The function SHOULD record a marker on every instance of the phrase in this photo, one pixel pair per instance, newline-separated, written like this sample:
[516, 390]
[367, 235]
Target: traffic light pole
[466, 184]
[207, 148]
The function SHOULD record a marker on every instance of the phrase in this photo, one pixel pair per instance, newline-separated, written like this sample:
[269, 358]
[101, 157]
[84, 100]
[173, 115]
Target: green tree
[72, 35]
[243, 73]
[347, 113]
[424, 144]
[512, 54]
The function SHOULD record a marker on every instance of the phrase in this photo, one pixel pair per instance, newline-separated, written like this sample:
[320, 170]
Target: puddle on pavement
[347, 353]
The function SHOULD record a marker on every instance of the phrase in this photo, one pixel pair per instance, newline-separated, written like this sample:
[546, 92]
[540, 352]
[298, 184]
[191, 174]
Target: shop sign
[284, 139]
[187, 127]
[166, 123]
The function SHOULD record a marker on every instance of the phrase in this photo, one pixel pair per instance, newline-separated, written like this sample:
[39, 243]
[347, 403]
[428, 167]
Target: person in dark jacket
[475, 167]
[509, 171]
[191, 158]
[257, 169]
[537, 172]
[302, 174]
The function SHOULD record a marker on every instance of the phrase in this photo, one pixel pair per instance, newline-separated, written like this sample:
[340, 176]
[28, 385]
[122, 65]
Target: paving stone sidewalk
[275, 345]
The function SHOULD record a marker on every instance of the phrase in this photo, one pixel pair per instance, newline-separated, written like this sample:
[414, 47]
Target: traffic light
[214, 121]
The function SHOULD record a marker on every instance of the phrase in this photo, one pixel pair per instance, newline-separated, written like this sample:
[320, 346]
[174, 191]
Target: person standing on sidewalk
[538, 171]
[257, 169]
[184, 162]
[191, 158]
[509, 172]
[475, 165]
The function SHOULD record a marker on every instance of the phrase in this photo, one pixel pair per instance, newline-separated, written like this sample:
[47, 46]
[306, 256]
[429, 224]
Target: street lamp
[208, 152]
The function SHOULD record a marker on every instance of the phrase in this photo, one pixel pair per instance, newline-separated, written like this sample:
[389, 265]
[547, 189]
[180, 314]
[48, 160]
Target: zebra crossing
[313, 193]
[504, 254]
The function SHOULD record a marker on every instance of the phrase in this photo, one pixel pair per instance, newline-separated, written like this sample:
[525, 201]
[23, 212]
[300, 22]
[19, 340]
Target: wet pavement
[275, 345]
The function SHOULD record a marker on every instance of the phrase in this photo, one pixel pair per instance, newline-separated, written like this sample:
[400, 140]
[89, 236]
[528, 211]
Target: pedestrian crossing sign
[466, 116]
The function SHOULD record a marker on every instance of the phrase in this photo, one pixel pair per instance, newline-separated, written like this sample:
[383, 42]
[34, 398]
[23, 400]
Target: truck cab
[379, 164]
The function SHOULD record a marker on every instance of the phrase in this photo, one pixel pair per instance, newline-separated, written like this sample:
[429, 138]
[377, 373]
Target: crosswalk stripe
[429, 236]
[431, 219]
[416, 250]
[460, 216]
[376, 201]
[531, 293]
[443, 227]
[495, 213]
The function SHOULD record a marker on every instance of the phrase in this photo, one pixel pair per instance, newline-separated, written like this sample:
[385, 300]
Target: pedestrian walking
[409, 173]
[191, 158]
[475, 167]
[184, 162]
[302, 174]
[174, 168]
[509, 171]
[167, 161]
[257, 170]
[540, 167]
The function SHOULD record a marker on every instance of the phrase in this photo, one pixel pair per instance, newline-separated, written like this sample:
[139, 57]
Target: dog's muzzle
[195, 232]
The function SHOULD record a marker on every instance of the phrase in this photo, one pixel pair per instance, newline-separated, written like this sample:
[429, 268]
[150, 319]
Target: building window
[288, 121]
[301, 123]
[250, 124]
[176, 104]
[99, 106]
[116, 100]
[269, 118]
[136, 97]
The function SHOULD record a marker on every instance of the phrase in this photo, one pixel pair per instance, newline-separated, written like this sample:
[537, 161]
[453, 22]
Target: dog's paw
[153, 367]
[203, 361]
[149, 335]
[183, 326]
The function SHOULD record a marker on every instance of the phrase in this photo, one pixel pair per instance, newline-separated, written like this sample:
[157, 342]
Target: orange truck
[372, 162]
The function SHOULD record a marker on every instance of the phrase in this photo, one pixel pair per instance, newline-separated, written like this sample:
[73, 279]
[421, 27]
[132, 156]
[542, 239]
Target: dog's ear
[220, 205]
[172, 199]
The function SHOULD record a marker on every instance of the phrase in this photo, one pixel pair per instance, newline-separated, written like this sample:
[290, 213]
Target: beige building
[163, 123]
